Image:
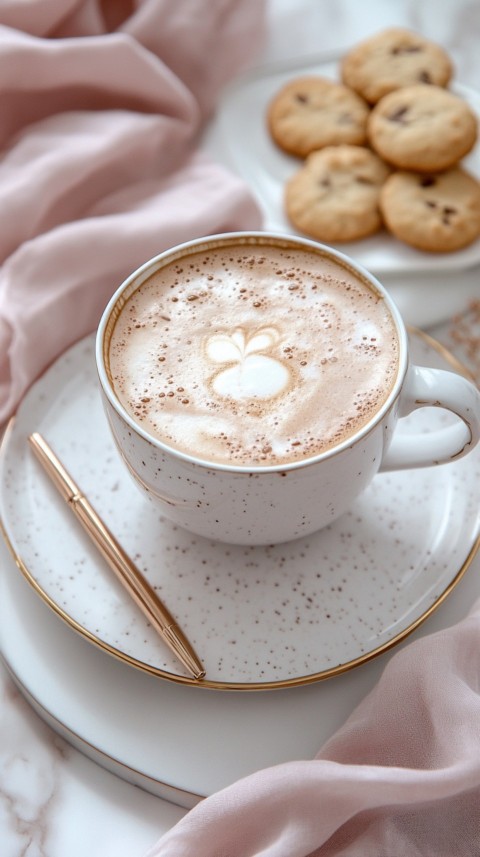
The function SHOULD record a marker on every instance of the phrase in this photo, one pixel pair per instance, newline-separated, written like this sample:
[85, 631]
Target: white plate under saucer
[174, 741]
[260, 618]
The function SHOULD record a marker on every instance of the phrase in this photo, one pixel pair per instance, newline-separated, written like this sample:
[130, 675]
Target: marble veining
[30, 775]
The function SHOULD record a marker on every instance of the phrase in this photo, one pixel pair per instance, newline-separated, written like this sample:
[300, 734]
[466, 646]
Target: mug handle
[438, 388]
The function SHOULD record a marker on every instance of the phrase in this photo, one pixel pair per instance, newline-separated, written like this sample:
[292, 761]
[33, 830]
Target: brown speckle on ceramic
[256, 615]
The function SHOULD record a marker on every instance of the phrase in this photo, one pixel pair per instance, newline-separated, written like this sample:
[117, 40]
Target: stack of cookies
[381, 148]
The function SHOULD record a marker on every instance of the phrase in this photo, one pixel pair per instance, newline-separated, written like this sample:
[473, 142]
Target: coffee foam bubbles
[253, 355]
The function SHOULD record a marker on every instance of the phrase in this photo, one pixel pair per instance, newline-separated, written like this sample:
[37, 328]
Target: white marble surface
[54, 801]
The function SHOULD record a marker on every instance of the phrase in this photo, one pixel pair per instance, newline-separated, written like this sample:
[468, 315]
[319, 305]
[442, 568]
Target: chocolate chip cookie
[392, 59]
[424, 128]
[335, 195]
[439, 212]
[312, 112]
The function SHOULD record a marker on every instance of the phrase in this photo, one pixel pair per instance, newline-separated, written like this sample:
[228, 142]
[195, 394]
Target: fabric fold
[56, 285]
[103, 106]
[401, 778]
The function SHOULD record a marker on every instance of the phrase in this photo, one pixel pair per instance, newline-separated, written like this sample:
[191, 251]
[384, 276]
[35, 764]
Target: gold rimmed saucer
[260, 618]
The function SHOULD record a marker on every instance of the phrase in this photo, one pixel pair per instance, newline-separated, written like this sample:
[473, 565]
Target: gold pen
[133, 581]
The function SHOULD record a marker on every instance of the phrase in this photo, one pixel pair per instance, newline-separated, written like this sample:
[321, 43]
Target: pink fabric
[401, 778]
[103, 102]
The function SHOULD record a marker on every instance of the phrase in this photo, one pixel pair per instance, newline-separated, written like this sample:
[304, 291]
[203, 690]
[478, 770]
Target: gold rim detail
[299, 681]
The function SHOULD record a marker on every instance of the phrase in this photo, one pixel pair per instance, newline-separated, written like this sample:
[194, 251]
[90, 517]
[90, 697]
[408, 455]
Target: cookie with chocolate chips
[309, 113]
[392, 59]
[335, 195]
[422, 128]
[439, 212]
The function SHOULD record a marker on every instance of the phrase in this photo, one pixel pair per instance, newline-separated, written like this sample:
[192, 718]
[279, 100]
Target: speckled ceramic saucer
[258, 617]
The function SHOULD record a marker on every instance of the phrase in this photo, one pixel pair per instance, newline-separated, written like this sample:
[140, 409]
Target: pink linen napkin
[401, 778]
[103, 103]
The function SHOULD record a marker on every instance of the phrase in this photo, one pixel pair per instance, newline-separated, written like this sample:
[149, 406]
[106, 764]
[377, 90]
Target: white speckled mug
[267, 499]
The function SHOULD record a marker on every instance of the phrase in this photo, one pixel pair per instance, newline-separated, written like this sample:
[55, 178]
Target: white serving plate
[427, 287]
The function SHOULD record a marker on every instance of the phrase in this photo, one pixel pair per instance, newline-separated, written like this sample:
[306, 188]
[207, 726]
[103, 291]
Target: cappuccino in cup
[253, 354]
[253, 384]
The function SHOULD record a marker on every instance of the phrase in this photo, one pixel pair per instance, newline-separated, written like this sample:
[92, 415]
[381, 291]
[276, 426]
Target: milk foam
[253, 355]
[250, 374]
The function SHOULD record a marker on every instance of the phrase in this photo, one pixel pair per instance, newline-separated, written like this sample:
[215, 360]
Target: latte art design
[250, 373]
[253, 355]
